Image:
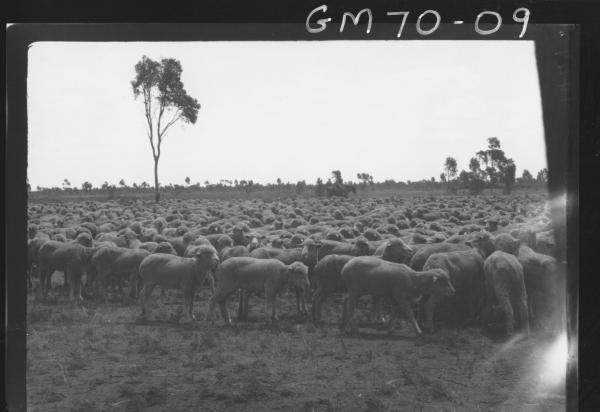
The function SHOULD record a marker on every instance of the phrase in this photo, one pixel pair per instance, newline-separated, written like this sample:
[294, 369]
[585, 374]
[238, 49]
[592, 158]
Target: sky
[289, 110]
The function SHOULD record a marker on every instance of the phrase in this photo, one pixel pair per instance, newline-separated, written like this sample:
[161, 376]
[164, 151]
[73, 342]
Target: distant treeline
[488, 169]
[299, 188]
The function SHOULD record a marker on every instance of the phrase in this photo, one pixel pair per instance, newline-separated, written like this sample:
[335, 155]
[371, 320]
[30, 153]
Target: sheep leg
[145, 297]
[243, 302]
[521, 306]
[507, 313]
[344, 314]
[272, 301]
[315, 309]
[473, 309]
[246, 307]
[523, 316]
[211, 281]
[407, 310]
[271, 298]
[349, 307]
[377, 302]
[43, 276]
[211, 309]
[192, 293]
[301, 302]
[392, 321]
[224, 311]
[429, 312]
[486, 316]
[66, 280]
[90, 279]
[74, 276]
[102, 284]
[186, 307]
[133, 285]
[267, 301]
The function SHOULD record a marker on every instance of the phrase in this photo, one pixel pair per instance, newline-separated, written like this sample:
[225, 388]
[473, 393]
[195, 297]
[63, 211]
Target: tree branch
[175, 118]
[147, 107]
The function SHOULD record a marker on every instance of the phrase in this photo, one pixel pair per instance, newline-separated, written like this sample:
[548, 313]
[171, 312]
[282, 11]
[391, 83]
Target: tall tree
[526, 177]
[542, 176]
[337, 177]
[319, 188]
[507, 174]
[165, 102]
[450, 168]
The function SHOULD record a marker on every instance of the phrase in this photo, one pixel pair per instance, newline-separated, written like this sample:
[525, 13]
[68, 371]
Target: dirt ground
[104, 357]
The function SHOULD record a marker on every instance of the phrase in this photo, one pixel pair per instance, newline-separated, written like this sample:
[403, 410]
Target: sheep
[505, 286]
[191, 251]
[33, 247]
[119, 240]
[180, 244]
[420, 257]
[368, 275]
[233, 251]
[117, 261]
[165, 247]
[71, 258]
[327, 279]
[542, 281]
[394, 250]
[465, 269]
[255, 275]
[308, 255]
[175, 272]
[332, 247]
[44, 263]
[506, 243]
[256, 242]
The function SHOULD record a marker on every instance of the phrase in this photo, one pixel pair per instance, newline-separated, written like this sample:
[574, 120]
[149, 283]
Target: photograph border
[19, 37]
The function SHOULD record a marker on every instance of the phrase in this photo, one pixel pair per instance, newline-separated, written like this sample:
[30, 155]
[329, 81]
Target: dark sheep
[505, 287]
[465, 269]
[421, 255]
[400, 284]
[327, 279]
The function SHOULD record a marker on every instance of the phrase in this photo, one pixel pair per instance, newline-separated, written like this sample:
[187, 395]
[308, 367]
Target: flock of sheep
[483, 260]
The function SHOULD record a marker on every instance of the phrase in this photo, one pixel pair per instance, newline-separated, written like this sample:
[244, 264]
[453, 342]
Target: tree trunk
[156, 192]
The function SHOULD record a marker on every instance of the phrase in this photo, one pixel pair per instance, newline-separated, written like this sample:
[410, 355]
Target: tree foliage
[365, 178]
[337, 177]
[320, 188]
[542, 176]
[450, 168]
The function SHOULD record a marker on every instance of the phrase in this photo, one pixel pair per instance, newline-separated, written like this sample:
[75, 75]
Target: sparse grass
[76, 361]
[83, 405]
[149, 345]
[37, 315]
